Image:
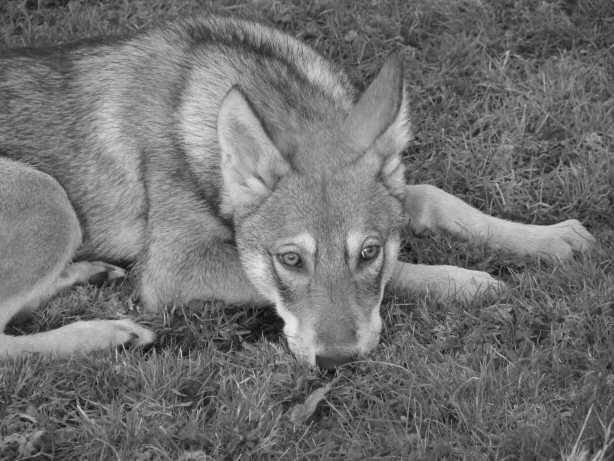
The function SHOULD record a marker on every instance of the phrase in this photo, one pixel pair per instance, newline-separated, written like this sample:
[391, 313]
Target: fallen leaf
[26, 444]
[499, 313]
[301, 412]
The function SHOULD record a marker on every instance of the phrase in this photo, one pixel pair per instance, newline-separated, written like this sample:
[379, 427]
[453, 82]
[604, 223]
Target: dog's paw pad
[133, 333]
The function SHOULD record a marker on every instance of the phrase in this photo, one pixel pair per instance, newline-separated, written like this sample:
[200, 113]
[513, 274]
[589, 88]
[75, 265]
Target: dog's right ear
[251, 165]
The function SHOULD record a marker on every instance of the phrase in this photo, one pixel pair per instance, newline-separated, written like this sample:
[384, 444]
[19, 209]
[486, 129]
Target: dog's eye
[369, 252]
[290, 259]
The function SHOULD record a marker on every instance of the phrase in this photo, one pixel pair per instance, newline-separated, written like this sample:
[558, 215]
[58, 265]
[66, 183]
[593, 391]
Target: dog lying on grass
[228, 161]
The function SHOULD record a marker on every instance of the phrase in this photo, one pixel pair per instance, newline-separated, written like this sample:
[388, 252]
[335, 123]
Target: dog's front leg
[174, 274]
[448, 282]
[428, 207]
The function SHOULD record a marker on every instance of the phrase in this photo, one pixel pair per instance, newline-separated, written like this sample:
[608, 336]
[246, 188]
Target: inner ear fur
[251, 165]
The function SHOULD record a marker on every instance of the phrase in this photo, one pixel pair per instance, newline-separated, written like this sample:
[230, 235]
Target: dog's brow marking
[304, 240]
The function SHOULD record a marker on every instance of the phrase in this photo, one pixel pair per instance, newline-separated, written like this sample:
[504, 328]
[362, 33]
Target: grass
[513, 107]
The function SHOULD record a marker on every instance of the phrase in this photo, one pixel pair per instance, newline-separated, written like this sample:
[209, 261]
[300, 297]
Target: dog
[228, 161]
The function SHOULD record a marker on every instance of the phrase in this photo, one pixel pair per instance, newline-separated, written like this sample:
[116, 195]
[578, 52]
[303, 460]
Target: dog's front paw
[448, 282]
[126, 331]
[86, 336]
[106, 273]
[560, 241]
[94, 272]
[465, 284]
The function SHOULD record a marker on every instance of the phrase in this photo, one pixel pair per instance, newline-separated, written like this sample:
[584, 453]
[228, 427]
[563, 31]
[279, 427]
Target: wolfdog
[228, 161]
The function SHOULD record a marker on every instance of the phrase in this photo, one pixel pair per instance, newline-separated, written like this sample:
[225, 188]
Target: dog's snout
[332, 361]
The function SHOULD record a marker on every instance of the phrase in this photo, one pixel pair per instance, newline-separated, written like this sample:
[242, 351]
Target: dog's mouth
[329, 361]
[333, 361]
[306, 347]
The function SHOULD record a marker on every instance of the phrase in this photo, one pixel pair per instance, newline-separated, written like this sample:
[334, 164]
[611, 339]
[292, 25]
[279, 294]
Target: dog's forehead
[322, 150]
[329, 206]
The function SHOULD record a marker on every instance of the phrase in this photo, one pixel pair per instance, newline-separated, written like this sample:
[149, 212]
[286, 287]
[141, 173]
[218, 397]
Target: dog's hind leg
[430, 208]
[39, 234]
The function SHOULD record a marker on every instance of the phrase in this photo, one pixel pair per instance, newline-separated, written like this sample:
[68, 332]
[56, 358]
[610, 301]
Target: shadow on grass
[198, 325]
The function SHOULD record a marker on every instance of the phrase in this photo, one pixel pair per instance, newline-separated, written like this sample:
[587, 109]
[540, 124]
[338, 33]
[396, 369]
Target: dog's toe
[480, 284]
[576, 235]
[94, 272]
[564, 239]
[113, 272]
[133, 333]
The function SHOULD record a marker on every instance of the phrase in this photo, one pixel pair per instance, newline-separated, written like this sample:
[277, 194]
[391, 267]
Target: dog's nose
[332, 361]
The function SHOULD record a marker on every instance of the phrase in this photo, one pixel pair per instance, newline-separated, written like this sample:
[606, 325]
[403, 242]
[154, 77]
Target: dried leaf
[301, 412]
[27, 444]
[500, 313]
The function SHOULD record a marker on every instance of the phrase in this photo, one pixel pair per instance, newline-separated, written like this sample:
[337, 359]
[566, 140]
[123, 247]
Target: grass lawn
[513, 106]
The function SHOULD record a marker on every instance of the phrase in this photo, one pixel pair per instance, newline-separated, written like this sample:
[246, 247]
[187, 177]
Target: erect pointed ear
[251, 165]
[379, 122]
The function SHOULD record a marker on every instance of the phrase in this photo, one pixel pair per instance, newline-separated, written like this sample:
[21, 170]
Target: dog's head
[318, 229]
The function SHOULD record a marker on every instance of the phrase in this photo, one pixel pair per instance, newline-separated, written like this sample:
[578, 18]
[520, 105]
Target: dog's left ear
[379, 123]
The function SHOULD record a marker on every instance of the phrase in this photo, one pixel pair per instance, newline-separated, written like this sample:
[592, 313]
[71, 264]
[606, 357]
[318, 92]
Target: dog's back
[103, 117]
